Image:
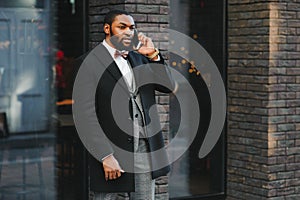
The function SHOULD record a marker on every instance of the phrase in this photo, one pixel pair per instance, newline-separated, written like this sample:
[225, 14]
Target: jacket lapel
[107, 61]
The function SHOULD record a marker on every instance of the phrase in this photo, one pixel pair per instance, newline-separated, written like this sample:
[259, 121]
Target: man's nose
[129, 32]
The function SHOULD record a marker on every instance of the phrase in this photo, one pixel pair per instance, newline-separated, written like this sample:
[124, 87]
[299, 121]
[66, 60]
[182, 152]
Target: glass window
[22, 3]
[27, 138]
[202, 20]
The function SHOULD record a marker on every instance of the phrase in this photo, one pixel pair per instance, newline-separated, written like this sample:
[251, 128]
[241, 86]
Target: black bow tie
[123, 53]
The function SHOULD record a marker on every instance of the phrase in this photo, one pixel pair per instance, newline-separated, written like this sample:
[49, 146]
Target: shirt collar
[110, 49]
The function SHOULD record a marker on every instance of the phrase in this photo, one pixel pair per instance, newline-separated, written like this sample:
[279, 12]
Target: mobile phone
[136, 44]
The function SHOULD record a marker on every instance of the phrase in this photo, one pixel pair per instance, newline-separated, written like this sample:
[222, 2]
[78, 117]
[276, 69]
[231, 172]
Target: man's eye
[122, 27]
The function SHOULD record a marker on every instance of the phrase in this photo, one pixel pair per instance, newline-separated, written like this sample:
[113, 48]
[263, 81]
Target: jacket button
[129, 140]
[136, 115]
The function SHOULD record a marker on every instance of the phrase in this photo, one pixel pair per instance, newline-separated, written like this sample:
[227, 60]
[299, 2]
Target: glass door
[25, 70]
[192, 177]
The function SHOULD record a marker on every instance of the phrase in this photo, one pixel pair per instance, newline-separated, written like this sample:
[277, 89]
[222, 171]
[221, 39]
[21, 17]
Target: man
[110, 123]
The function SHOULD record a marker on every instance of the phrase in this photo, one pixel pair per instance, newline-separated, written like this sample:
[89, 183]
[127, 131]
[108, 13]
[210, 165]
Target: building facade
[255, 45]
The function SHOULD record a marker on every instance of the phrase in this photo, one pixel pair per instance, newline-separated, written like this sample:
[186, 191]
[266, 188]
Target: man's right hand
[112, 169]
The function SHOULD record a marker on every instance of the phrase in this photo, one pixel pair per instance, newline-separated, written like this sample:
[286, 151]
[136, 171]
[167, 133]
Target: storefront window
[202, 20]
[23, 4]
[27, 137]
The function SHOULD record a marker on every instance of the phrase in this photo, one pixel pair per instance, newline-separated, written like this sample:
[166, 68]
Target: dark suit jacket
[103, 118]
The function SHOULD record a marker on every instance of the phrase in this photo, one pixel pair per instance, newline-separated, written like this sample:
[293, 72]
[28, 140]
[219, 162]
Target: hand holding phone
[144, 45]
[136, 43]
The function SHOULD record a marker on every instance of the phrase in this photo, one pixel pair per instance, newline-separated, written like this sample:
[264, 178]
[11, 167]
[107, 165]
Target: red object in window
[60, 79]
[60, 55]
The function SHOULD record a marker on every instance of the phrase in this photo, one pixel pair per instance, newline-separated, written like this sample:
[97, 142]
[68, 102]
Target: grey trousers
[144, 185]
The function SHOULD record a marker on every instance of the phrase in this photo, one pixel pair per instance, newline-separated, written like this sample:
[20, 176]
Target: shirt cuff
[106, 156]
[157, 59]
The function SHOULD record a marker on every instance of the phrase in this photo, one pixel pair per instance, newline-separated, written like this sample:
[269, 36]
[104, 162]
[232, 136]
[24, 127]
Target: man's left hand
[147, 47]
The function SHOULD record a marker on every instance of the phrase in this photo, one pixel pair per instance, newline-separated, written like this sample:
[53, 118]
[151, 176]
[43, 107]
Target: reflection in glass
[27, 167]
[23, 3]
[27, 150]
[191, 176]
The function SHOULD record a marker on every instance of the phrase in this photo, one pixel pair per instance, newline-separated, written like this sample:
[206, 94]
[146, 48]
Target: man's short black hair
[110, 16]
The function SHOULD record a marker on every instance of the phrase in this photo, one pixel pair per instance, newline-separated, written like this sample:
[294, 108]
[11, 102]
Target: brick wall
[151, 16]
[263, 99]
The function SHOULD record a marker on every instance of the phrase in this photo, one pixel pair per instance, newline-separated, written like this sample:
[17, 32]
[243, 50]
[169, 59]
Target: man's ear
[106, 29]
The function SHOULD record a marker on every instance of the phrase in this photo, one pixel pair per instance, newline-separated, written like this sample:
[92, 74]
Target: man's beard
[118, 44]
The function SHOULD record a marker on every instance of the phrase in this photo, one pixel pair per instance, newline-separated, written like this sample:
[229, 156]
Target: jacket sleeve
[162, 76]
[84, 111]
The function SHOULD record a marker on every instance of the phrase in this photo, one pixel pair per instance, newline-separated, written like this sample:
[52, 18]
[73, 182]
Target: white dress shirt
[122, 64]
[128, 75]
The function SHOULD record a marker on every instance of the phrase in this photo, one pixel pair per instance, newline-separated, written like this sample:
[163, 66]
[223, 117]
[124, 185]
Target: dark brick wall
[263, 99]
[151, 16]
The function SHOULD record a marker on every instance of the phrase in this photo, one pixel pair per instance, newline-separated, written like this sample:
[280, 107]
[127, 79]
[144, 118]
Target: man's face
[121, 32]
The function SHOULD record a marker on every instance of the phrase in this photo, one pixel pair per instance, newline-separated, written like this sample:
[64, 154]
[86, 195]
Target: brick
[285, 191]
[276, 119]
[285, 31]
[134, 1]
[158, 18]
[164, 10]
[293, 166]
[293, 6]
[286, 95]
[285, 175]
[260, 175]
[277, 71]
[292, 197]
[274, 103]
[97, 3]
[291, 135]
[162, 189]
[275, 184]
[277, 152]
[293, 182]
[157, 36]
[293, 103]
[293, 71]
[154, 9]
[162, 180]
[236, 6]
[286, 127]
[286, 111]
[131, 8]
[293, 119]
[292, 151]
[160, 2]
[293, 87]
[139, 17]
[287, 47]
[293, 39]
